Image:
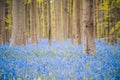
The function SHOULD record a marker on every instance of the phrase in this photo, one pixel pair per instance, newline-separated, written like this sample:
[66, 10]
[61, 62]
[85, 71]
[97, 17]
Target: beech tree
[64, 18]
[45, 17]
[59, 28]
[3, 34]
[77, 21]
[33, 18]
[18, 25]
[49, 23]
[89, 45]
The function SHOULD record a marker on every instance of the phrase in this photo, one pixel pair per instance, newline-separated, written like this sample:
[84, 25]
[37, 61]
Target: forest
[59, 39]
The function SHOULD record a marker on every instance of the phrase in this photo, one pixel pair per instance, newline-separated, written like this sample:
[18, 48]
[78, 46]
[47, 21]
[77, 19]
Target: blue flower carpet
[59, 62]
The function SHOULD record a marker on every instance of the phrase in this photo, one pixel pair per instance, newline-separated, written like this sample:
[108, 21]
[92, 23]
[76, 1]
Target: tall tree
[98, 27]
[77, 20]
[33, 26]
[70, 20]
[89, 45]
[49, 23]
[64, 15]
[59, 28]
[39, 8]
[27, 22]
[3, 39]
[18, 26]
[45, 17]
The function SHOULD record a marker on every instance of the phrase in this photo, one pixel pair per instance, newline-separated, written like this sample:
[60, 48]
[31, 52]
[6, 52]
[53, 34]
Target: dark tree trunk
[3, 35]
[49, 23]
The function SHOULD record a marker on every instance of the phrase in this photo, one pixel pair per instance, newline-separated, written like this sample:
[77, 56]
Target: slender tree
[64, 12]
[45, 17]
[108, 40]
[3, 34]
[77, 20]
[27, 22]
[49, 22]
[70, 20]
[98, 27]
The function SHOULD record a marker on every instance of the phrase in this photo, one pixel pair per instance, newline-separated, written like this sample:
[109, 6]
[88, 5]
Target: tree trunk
[94, 11]
[49, 23]
[108, 40]
[45, 18]
[89, 45]
[33, 26]
[3, 38]
[98, 27]
[59, 29]
[70, 18]
[18, 12]
[77, 21]
[64, 12]
[27, 22]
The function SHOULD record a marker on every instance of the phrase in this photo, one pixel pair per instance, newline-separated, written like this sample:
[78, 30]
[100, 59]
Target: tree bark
[27, 22]
[64, 12]
[49, 22]
[18, 12]
[33, 22]
[3, 35]
[89, 45]
[45, 17]
[77, 21]
[59, 29]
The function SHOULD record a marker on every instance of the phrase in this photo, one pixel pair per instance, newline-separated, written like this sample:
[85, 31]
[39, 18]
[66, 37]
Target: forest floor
[59, 62]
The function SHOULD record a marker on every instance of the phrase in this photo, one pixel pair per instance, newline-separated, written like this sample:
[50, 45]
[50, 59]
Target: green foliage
[104, 6]
[8, 1]
[40, 1]
[111, 11]
[49, 77]
[115, 72]
[119, 33]
[117, 27]
[118, 1]
[88, 78]
[87, 65]
[30, 69]
[27, 1]
[68, 54]
[8, 18]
